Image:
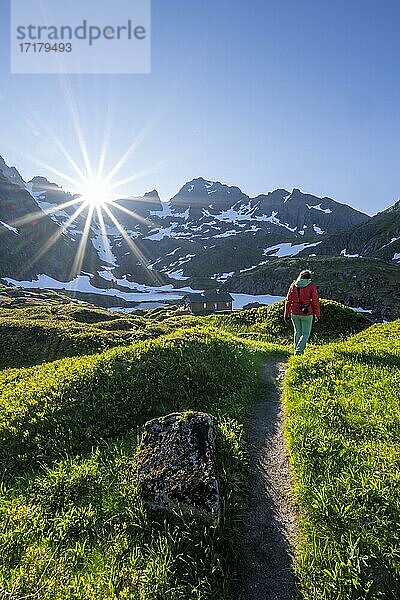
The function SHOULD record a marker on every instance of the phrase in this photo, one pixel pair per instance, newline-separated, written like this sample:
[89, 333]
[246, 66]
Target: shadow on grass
[372, 359]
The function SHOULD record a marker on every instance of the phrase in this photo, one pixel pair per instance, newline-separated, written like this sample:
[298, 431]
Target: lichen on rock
[177, 464]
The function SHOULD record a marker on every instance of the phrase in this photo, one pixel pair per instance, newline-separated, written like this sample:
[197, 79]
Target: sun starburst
[94, 190]
[97, 192]
[95, 195]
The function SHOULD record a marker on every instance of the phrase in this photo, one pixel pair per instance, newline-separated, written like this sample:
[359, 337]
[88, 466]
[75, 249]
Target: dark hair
[305, 275]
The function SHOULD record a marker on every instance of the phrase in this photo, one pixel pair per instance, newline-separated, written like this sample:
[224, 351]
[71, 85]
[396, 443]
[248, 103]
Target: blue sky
[260, 94]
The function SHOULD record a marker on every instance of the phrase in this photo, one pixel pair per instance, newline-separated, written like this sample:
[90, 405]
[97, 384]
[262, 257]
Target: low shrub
[27, 342]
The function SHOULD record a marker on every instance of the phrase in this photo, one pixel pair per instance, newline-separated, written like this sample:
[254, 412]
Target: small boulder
[177, 464]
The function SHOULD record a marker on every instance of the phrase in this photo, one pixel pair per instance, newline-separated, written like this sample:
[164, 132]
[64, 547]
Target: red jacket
[308, 297]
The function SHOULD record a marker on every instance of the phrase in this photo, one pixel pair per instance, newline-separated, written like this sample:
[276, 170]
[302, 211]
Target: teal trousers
[302, 329]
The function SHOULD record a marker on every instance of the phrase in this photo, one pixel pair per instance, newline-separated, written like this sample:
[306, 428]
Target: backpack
[303, 307]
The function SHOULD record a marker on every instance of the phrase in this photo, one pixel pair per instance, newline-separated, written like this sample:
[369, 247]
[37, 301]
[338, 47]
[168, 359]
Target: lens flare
[96, 192]
[93, 192]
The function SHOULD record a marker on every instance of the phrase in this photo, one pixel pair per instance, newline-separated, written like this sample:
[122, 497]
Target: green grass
[72, 525]
[343, 430]
[337, 322]
[36, 334]
[67, 405]
[71, 522]
[79, 530]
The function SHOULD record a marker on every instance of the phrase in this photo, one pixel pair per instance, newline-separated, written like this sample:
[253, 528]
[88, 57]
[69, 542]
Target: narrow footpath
[269, 521]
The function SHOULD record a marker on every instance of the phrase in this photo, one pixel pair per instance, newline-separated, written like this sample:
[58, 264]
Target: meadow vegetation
[337, 322]
[34, 334]
[72, 525]
[343, 430]
[76, 386]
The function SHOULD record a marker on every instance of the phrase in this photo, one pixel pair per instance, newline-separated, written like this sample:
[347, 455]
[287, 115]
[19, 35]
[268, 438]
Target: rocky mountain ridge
[208, 234]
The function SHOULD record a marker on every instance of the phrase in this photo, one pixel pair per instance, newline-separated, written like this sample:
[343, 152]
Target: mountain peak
[198, 183]
[201, 180]
[153, 195]
[200, 194]
[41, 183]
[11, 172]
[39, 180]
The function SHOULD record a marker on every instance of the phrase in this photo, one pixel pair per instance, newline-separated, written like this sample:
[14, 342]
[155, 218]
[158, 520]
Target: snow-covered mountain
[32, 241]
[206, 234]
[211, 229]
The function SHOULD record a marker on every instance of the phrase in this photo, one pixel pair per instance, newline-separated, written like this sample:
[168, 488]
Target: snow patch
[226, 234]
[287, 249]
[57, 216]
[184, 215]
[173, 251]
[344, 253]
[273, 219]
[161, 233]
[83, 284]
[178, 275]
[223, 276]
[102, 246]
[263, 262]
[394, 239]
[166, 211]
[360, 310]
[318, 207]
[10, 227]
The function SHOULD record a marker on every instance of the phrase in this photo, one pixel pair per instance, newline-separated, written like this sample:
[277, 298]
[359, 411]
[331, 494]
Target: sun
[96, 192]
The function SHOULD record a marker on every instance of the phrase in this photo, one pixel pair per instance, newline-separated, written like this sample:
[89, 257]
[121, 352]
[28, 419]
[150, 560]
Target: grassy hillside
[337, 322]
[37, 333]
[67, 406]
[343, 429]
[71, 523]
[37, 328]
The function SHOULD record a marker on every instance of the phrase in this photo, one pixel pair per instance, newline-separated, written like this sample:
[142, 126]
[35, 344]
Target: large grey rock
[177, 463]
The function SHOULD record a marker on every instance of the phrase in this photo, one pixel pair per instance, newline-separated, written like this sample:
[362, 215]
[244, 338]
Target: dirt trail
[269, 522]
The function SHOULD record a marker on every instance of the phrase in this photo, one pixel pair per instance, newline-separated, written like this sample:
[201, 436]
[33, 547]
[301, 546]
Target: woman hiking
[302, 305]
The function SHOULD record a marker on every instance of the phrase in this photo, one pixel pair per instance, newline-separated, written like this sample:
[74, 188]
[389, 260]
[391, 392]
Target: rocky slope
[23, 234]
[378, 237]
[206, 230]
[370, 283]
[139, 248]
